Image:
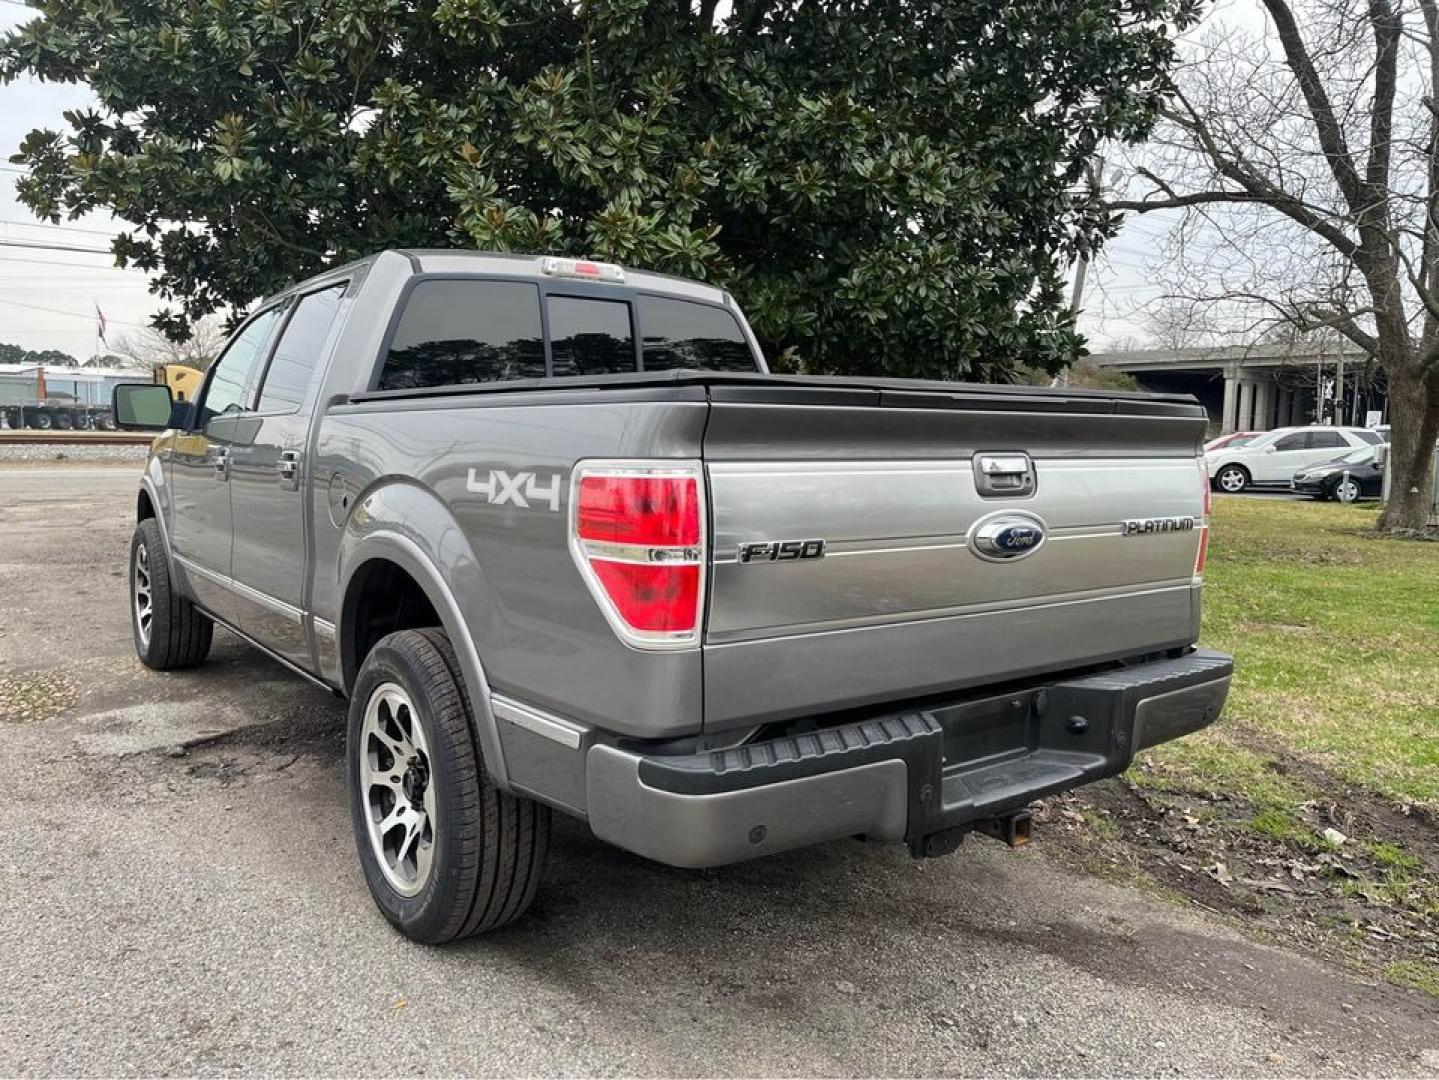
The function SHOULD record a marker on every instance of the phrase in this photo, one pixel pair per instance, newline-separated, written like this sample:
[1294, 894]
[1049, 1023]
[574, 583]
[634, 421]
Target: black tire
[1338, 493]
[179, 633]
[488, 848]
[64, 421]
[1232, 479]
[42, 421]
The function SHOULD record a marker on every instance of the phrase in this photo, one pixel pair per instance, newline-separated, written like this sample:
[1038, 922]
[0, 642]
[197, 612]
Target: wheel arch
[382, 550]
[1248, 473]
[151, 502]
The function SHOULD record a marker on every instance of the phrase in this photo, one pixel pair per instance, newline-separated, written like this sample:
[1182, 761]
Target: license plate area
[1003, 751]
[979, 733]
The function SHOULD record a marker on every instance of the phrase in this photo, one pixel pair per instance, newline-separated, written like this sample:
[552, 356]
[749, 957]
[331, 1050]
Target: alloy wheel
[1231, 480]
[398, 789]
[144, 598]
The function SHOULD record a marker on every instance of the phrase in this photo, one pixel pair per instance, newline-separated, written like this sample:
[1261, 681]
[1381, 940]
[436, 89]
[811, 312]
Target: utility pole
[1339, 388]
[1081, 268]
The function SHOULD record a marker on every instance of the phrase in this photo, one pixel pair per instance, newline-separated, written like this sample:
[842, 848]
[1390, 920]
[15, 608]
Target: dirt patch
[1346, 875]
[35, 696]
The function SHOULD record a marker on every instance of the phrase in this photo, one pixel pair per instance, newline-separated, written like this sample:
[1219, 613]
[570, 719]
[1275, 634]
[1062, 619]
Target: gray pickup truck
[564, 544]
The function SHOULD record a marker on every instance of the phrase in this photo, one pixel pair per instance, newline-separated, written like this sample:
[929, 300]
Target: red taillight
[638, 537]
[651, 599]
[658, 510]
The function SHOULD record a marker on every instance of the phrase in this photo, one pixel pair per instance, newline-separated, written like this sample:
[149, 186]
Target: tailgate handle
[1007, 475]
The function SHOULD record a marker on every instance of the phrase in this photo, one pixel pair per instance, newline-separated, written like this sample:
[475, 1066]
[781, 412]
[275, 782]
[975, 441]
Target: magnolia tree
[884, 186]
[1308, 145]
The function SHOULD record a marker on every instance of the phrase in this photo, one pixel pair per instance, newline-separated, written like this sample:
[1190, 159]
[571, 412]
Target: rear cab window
[454, 332]
[459, 331]
[683, 334]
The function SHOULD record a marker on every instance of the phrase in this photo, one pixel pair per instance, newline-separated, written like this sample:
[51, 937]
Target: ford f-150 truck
[564, 544]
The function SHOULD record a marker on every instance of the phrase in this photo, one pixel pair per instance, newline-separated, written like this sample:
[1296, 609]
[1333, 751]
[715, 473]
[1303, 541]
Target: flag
[100, 325]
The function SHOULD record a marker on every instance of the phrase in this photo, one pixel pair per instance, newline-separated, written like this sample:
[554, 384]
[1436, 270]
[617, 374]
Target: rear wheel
[445, 853]
[1232, 479]
[169, 631]
[42, 421]
[64, 421]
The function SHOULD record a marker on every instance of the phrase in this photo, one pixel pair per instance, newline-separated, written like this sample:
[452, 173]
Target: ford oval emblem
[1005, 536]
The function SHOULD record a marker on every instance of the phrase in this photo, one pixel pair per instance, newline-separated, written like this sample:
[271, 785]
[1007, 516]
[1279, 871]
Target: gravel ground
[200, 910]
[56, 454]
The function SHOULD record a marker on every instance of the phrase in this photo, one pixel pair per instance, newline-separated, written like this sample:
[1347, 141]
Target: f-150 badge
[781, 550]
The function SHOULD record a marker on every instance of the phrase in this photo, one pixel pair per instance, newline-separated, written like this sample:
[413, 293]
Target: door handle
[288, 467]
[1004, 475]
[220, 462]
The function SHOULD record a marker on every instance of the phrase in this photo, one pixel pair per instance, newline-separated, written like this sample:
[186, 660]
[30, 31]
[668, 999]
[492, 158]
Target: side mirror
[141, 406]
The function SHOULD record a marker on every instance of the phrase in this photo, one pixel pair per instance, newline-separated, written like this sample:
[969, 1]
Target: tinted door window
[1327, 440]
[231, 375]
[298, 352]
[679, 334]
[590, 337]
[1297, 441]
[456, 332]
[1373, 438]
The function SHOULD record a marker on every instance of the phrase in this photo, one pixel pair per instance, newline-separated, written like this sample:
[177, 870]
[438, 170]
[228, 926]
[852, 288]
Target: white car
[1277, 455]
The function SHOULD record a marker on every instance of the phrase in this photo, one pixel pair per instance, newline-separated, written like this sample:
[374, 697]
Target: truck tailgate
[917, 496]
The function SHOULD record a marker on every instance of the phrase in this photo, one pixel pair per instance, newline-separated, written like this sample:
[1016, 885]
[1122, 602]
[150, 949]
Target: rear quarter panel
[403, 468]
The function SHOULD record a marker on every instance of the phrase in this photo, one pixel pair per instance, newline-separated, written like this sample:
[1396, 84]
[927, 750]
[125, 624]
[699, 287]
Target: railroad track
[10, 437]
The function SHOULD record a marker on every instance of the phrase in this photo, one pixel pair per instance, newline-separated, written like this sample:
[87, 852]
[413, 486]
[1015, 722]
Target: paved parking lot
[181, 896]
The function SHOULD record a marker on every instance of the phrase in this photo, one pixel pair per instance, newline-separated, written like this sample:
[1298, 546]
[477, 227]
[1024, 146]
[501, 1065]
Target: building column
[1231, 402]
[1286, 406]
[1263, 397]
[1245, 419]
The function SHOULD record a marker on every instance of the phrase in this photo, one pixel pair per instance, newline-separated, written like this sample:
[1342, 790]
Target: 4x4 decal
[517, 489]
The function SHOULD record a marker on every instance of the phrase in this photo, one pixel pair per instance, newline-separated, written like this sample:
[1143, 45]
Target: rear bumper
[905, 776]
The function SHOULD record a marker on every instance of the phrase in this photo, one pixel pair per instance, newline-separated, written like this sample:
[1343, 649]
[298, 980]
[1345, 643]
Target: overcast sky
[48, 297]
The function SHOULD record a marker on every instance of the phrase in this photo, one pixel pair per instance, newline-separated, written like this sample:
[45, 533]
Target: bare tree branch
[1331, 135]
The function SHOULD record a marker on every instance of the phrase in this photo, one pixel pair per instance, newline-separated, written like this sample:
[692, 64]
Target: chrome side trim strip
[324, 628]
[239, 588]
[193, 567]
[265, 600]
[565, 732]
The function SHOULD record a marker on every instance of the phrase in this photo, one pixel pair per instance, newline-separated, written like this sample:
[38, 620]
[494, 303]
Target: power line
[68, 314]
[61, 228]
[69, 265]
[53, 247]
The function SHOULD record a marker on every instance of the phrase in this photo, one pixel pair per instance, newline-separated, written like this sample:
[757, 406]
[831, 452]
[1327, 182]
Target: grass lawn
[1335, 634]
[1332, 723]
